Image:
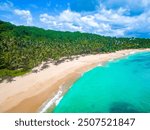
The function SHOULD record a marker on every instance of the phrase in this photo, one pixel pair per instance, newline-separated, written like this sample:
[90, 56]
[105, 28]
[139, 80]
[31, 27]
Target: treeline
[22, 47]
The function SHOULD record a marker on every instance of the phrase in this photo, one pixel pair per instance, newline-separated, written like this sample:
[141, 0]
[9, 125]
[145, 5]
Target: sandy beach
[28, 93]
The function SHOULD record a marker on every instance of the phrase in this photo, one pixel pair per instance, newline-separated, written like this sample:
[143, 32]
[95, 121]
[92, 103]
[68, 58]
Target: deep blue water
[122, 86]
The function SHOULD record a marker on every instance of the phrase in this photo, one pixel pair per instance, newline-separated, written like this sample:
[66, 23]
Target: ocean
[120, 86]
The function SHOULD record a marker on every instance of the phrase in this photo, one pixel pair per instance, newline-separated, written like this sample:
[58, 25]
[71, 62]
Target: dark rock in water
[122, 107]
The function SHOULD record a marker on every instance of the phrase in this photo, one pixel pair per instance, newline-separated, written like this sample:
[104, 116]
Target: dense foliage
[22, 48]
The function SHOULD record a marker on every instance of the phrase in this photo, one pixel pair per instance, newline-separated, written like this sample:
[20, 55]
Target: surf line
[54, 101]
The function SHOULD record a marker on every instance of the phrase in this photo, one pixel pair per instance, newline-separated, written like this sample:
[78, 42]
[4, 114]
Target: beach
[37, 90]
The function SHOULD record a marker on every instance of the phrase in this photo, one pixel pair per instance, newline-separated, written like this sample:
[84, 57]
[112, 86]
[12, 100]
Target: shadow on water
[122, 107]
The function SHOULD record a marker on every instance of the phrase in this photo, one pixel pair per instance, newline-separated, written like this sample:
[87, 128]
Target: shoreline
[33, 91]
[51, 104]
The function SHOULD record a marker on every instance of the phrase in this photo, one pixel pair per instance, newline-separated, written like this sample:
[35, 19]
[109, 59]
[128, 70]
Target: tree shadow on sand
[44, 66]
[8, 79]
[66, 59]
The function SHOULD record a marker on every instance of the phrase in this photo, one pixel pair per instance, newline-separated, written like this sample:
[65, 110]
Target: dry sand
[27, 93]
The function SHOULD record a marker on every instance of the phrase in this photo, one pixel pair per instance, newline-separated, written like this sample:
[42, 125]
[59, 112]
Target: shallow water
[120, 86]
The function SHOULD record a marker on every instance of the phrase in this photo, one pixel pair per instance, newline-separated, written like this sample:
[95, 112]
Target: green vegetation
[22, 48]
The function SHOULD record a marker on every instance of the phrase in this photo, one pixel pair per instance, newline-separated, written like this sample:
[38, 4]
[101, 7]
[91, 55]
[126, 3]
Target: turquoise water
[119, 86]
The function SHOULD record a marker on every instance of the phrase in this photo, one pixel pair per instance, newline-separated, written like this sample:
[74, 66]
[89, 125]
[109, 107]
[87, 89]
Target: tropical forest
[24, 47]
